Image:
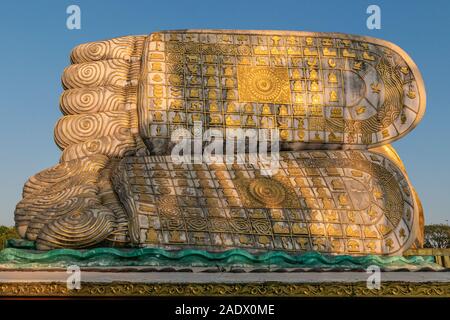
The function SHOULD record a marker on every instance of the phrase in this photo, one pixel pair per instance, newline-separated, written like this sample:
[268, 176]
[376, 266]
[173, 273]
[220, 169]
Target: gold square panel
[264, 84]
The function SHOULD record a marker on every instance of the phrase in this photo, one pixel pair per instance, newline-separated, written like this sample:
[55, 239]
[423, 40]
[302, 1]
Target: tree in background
[437, 236]
[7, 233]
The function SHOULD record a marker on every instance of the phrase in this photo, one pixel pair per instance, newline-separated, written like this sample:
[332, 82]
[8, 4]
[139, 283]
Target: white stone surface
[219, 277]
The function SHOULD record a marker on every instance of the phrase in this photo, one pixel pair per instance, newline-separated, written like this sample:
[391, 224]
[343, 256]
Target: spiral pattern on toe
[54, 190]
[93, 74]
[59, 209]
[72, 204]
[27, 208]
[80, 128]
[103, 145]
[117, 48]
[100, 100]
[78, 229]
[92, 100]
[61, 173]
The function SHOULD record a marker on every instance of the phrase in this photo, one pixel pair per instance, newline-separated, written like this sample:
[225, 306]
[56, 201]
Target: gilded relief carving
[344, 201]
[116, 184]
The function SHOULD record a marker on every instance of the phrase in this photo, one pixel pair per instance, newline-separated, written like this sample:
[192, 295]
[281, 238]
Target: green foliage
[7, 233]
[437, 236]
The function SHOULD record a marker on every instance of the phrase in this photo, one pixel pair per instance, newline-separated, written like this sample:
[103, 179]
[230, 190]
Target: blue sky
[35, 46]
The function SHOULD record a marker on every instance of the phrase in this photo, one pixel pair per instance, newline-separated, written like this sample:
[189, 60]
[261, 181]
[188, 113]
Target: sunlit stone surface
[337, 101]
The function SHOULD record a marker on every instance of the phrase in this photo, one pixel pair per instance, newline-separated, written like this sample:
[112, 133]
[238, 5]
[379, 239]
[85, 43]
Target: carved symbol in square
[264, 84]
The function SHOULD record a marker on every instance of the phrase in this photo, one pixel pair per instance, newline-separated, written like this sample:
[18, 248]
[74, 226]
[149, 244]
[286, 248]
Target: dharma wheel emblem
[263, 84]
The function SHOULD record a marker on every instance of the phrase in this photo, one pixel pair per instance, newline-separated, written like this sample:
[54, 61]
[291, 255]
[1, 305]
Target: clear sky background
[35, 46]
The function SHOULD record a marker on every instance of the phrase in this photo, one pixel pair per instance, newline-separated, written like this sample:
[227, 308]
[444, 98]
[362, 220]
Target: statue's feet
[72, 205]
[327, 91]
[345, 202]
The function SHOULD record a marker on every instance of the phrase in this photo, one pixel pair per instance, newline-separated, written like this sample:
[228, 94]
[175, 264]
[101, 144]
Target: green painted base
[20, 244]
[151, 257]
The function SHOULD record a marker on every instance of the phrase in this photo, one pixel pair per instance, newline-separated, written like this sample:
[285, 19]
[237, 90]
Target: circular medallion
[264, 84]
[267, 191]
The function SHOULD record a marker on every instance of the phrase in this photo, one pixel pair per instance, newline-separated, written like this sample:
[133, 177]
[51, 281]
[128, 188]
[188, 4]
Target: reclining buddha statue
[336, 102]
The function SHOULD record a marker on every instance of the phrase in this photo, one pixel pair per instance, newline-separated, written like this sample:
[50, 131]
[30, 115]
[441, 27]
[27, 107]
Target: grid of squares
[199, 205]
[193, 77]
